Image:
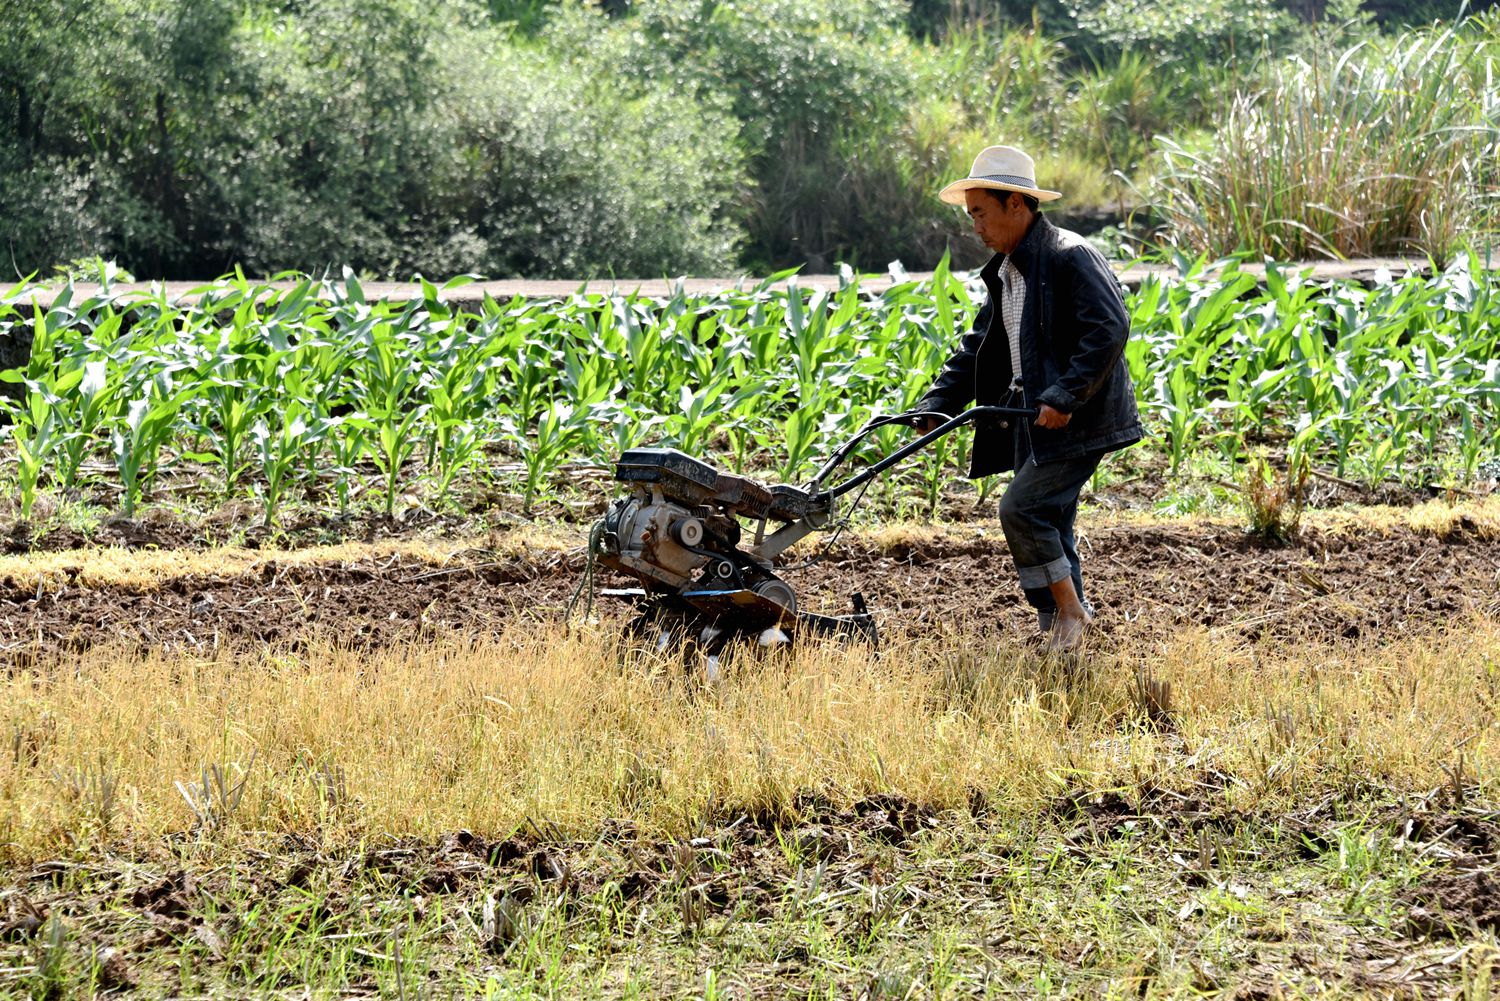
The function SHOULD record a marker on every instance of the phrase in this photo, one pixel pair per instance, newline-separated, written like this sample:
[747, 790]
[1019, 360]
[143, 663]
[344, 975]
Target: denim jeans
[1037, 512]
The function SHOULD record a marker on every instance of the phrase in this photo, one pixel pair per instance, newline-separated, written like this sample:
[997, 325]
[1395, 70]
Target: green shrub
[349, 155]
[183, 139]
[577, 171]
[1120, 107]
[824, 90]
[194, 136]
[1191, 29]
[591, 137]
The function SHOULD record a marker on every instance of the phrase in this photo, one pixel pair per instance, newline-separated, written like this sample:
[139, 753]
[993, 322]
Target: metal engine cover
[643, 537]
[678, 476]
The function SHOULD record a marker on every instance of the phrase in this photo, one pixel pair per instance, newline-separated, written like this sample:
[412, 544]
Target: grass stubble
[1170, 817]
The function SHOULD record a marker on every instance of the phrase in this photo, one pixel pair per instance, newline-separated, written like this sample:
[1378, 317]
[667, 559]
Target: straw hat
[999, 168]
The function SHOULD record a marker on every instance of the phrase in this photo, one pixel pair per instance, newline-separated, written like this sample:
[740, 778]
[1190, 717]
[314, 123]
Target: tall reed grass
[1385, 147]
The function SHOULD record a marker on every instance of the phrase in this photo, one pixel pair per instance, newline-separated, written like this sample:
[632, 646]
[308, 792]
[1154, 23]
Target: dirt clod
[114, 971]
[23, 921]
[1451, 901]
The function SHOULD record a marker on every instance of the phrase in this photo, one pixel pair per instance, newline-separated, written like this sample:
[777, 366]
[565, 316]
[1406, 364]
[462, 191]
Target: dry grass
[143, 569]
[1437, 518]
[549, 726]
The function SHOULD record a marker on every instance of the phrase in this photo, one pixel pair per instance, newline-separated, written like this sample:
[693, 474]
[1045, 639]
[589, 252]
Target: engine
[651, 537]
[679, 526]
[678, 532]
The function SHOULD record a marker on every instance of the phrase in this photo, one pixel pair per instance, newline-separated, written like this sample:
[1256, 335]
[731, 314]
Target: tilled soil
[1142, 579]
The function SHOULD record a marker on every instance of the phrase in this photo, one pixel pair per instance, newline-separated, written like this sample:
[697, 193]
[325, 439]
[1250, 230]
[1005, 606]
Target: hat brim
[953, 194]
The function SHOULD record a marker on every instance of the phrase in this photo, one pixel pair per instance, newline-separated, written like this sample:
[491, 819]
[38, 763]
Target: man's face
[998, 224]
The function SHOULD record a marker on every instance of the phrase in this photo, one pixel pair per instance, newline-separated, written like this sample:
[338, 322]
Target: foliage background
[563, 138]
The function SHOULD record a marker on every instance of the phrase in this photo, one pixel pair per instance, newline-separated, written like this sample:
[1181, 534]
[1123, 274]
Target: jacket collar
[1026, 251]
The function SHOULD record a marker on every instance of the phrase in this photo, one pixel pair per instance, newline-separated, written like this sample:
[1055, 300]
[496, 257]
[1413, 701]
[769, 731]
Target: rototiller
[704, 578]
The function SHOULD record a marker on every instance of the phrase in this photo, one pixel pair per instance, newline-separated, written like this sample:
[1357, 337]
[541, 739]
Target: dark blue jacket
[1073, 331]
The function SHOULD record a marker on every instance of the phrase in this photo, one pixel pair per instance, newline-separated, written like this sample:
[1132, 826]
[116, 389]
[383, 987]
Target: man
[1050, 335]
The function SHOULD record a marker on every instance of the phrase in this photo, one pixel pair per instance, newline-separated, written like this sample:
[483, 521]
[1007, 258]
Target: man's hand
[923, 422]
[1051, 418]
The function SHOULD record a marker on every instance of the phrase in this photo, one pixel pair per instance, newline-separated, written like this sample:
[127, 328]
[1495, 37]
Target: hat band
[1025, 182]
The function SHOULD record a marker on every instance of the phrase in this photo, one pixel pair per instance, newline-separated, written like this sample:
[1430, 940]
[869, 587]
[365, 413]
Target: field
[301, 697]
[308, 394]
[293, 704]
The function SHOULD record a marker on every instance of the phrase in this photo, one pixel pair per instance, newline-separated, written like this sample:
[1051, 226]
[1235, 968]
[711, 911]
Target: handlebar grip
[916, 418]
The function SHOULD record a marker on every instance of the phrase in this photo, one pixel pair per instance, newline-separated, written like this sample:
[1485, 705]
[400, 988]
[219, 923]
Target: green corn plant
[240, 377]
[1472, 443]
[616, 427]
[233, 408]
[324, 358]
[1399, 380]
[739, 435]
[542, 451]
[387, 374]
[589, 376]
[278, 451]
[799, 439]
[456, 445]
[46, 335]
[646, 359]
[147, 424]
[933, 467]
[395, 441]
[1383, 455]
[1177, 400]
[94, 401]
[35, 434]
[349, 438]
[817, 336]
[527, 376]
[35, 430]
[387, 377]
[62, 409]
[1259, 395]
[711, 411]
[296, 387]
[1301, 448]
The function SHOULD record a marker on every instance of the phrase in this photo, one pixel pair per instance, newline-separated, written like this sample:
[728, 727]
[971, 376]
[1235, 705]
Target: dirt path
[471, 297]
[1144, 579]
